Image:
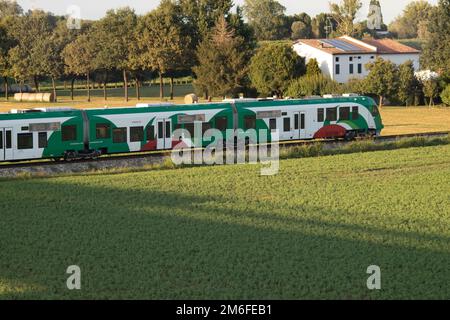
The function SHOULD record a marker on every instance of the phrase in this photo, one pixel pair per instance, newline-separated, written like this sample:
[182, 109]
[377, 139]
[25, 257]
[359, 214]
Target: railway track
[143, 158]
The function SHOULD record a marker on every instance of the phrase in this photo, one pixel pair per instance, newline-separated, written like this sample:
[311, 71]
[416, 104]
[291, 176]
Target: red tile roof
[389, 46]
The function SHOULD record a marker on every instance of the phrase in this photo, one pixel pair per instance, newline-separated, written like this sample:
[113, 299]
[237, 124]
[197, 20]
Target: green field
[226, 232]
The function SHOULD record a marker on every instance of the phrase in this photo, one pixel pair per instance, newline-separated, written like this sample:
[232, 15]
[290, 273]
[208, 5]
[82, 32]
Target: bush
[445, 95]
[312, 85]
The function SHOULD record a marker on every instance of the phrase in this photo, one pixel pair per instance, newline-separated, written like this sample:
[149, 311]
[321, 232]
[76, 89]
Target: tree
[32, 33]
[320, 23]
[162, 41]
[436, 54]
[407, 25]
[301, 26]
[312, 67]
[407, 83]
[266, 17]
[222, 64]
[273, 67]
[114, 34]
[9, 8]
[79, 58]
[345, 15]
[445, 95]
[382, 79]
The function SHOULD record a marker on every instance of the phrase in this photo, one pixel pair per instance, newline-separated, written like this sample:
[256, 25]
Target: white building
[345, 58]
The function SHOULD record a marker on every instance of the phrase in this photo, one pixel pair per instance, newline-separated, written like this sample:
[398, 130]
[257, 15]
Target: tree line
[207, 39]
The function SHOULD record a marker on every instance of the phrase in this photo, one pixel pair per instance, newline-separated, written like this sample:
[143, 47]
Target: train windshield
[375, 111]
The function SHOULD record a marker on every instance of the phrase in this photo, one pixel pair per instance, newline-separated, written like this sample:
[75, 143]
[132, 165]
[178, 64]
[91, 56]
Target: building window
[359, 68]
[372, 57]
[24, 141]
[250, 122]
[344, 113]
[338, 69]
[355, 113]
[136, 134]
[337, 59]
[69, 133]
[287, 124]
[350, 69]
[42, 141]
[332, 114]
[120, 135]
[221, 123]
[103, 131]
[351, 58]
[320, 115]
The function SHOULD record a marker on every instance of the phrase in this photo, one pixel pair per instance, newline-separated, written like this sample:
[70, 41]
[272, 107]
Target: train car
[317, 118]
[152, 127]
[72, 134]
[41, 133]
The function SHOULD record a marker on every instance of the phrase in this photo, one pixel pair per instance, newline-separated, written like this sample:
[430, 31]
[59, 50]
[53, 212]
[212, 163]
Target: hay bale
[191, 99]
[18, 97]
[48, 97]
[39, 97]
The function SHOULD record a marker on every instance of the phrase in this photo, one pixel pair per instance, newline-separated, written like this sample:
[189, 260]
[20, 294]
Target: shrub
[445, 95]
[311, 85]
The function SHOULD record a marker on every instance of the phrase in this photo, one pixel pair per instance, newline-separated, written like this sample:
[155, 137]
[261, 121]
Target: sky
[95, 9]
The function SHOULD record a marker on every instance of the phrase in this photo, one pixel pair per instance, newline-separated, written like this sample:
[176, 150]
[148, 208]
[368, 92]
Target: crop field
[228, 233]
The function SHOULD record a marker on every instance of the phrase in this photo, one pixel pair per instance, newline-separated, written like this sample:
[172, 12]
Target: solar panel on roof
[342, 45]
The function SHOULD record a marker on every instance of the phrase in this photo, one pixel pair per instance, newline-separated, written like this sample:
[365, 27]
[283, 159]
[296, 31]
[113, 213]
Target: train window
[8, 139]
[25, 128]
[42, 141]
[332, 114]
[160, 130]
[273, 124]
[320, 115]
[284, 114]
[69, 133]
[344, 113]
[375, 111]
[296, 122]
[1, 139]
[287, 124]
[151, 133]
[302, 121]
[355, 113]
[205, 127]
[120, 135]
[168, 126]
[136, 134]
[222, 123]
[250, 122]
[190, 128]
[103, 131]
[24, 141]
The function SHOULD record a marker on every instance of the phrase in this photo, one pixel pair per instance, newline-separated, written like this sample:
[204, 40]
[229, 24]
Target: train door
[6, 150]
[164, 134]
[299, 126]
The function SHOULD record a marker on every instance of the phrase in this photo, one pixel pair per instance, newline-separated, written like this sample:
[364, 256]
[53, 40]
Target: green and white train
[70, 133]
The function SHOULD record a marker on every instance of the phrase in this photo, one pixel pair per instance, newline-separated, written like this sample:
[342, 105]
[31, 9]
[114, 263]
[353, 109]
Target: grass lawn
[226, 232]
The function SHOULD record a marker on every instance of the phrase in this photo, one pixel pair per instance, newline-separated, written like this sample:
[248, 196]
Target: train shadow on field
[148, 244]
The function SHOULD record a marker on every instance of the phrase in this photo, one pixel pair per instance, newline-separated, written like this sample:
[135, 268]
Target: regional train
[65, 133]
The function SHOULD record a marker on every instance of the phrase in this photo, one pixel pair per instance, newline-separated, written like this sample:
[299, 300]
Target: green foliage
[312, 85]
[382, 79]
[301, 26]
[312, 67]
[159, 241]
[319, 24]
[223, 64]
[445, 95]
[273, 67]
[431, 90]
[267, 18]
[345, 15]
[407, 84]
[436, 54]
[414, 20]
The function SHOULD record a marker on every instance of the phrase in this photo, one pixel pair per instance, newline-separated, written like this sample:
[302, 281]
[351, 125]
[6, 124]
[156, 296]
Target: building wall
[402, 58]
[324, 59]
[344, 66]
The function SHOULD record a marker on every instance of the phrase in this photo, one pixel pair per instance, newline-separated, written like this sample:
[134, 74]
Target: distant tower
[375, 17]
